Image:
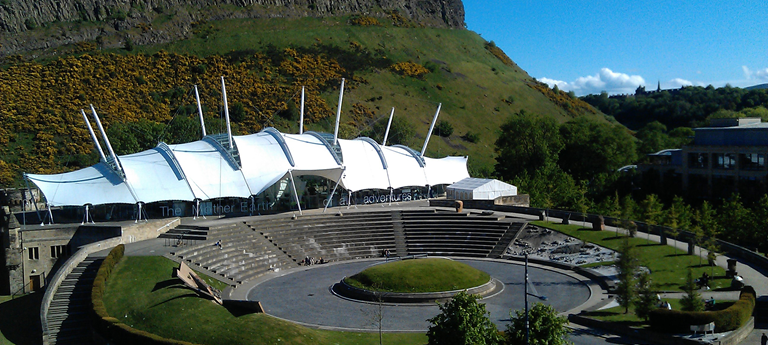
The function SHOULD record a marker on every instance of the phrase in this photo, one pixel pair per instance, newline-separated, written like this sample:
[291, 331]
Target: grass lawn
[668, 265]
[20, 319]
[419, 275]
[142, 294]
[616, 314]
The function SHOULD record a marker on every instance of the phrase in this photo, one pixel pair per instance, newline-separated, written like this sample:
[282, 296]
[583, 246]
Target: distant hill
[143, 91]
[39, 25]
[757, 87]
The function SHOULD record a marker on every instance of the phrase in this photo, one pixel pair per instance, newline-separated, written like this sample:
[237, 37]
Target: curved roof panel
[152, 177]
[364, 168]
[264, 160]
[93, 185]
[446, 170]
[210, 175]
[404, 170]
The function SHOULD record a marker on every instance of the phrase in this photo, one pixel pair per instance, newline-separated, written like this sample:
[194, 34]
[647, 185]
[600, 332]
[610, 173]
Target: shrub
[444, 128]
[727, 319]
[410, 69]
[364, 21]
[471, 137]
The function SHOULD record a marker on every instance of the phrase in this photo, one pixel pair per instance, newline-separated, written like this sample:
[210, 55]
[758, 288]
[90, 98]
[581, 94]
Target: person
[710, 303]
[667, 305]
[218, 244]
[764, 339]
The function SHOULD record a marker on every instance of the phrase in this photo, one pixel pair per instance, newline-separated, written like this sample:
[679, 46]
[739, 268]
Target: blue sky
[590, 46]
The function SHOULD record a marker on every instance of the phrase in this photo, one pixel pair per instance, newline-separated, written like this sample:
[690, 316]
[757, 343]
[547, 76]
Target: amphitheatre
[261, 257]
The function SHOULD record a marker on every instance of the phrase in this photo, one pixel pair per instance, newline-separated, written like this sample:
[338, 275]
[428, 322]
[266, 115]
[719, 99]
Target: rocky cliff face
[84, 20]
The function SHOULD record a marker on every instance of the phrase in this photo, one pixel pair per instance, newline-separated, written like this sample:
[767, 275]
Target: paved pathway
[303, 295]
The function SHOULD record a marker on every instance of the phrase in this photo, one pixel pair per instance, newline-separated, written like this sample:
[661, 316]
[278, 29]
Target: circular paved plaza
[304, 296]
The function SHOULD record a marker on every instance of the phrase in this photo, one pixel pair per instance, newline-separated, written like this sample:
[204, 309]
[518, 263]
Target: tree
[692, 299]
[545, 327]
[652, 212]
[628, 263]
[592, 147]
[706, 219]
[628, 213]
[646, 297]
[462, 320]
[527, 142]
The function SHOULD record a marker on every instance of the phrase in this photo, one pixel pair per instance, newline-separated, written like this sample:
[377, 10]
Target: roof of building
[205, 170]
[471, 183]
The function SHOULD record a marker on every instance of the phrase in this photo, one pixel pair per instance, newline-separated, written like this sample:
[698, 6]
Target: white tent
[205, 169]
[479, 189]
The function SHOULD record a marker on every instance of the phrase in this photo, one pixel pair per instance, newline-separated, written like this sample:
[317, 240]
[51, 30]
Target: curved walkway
[303, 295]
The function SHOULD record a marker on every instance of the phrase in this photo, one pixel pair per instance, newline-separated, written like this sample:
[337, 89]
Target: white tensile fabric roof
[202, 170]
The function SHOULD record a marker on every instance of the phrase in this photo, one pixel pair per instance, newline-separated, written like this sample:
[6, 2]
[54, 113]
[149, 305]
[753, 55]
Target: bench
[709, 327]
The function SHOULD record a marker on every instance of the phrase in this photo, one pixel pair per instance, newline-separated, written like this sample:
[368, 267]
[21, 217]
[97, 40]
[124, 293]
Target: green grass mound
[421, 275]
[141, 293]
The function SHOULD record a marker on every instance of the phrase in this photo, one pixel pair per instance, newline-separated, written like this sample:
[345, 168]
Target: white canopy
[479, 189]
[205, 169]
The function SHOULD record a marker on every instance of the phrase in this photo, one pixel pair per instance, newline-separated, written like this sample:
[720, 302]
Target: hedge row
[109, 327]
[725, 320]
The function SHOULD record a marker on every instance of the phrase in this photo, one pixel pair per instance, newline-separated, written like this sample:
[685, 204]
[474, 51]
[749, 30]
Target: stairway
[512, 231]
[401, 248]
[69, 315]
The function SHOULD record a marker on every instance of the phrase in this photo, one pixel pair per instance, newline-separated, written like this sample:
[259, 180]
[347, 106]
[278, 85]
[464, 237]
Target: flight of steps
[69, 315]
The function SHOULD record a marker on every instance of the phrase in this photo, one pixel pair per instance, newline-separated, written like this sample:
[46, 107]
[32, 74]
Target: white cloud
[760, 74]
[678, 83]
[605, 80]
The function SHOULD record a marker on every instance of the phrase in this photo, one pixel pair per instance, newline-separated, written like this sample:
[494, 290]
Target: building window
[724, 161]
[752, 161]
[59, 251]
[698, 160]
[34, 253]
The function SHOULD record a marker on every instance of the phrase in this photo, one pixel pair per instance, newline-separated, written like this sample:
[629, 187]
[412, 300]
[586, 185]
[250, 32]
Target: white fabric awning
[204, 170]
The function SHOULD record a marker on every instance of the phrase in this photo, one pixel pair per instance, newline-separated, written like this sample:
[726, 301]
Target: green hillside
[476, 83]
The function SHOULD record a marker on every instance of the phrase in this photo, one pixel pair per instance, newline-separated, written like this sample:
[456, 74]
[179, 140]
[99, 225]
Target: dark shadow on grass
[611, 238]
[650, 245]
[239, 311]
[20, 319]
[177, 297]
[166, 283]
[674, 255]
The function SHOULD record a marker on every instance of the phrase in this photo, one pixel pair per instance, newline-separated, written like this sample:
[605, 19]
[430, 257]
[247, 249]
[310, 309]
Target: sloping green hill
[476, 83]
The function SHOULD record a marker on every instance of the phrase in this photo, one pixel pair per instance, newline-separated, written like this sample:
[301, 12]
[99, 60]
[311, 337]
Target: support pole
[330, 196]
[138, 218]
[226, 111]
[431, 127]
[200, 111]
[295, 195]
[106, 140]
[49, 216]
[386, 133]
[31, 197]
[527, 327]
[93, 137]
[87, 215]
[301, 118]
[338, 114]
